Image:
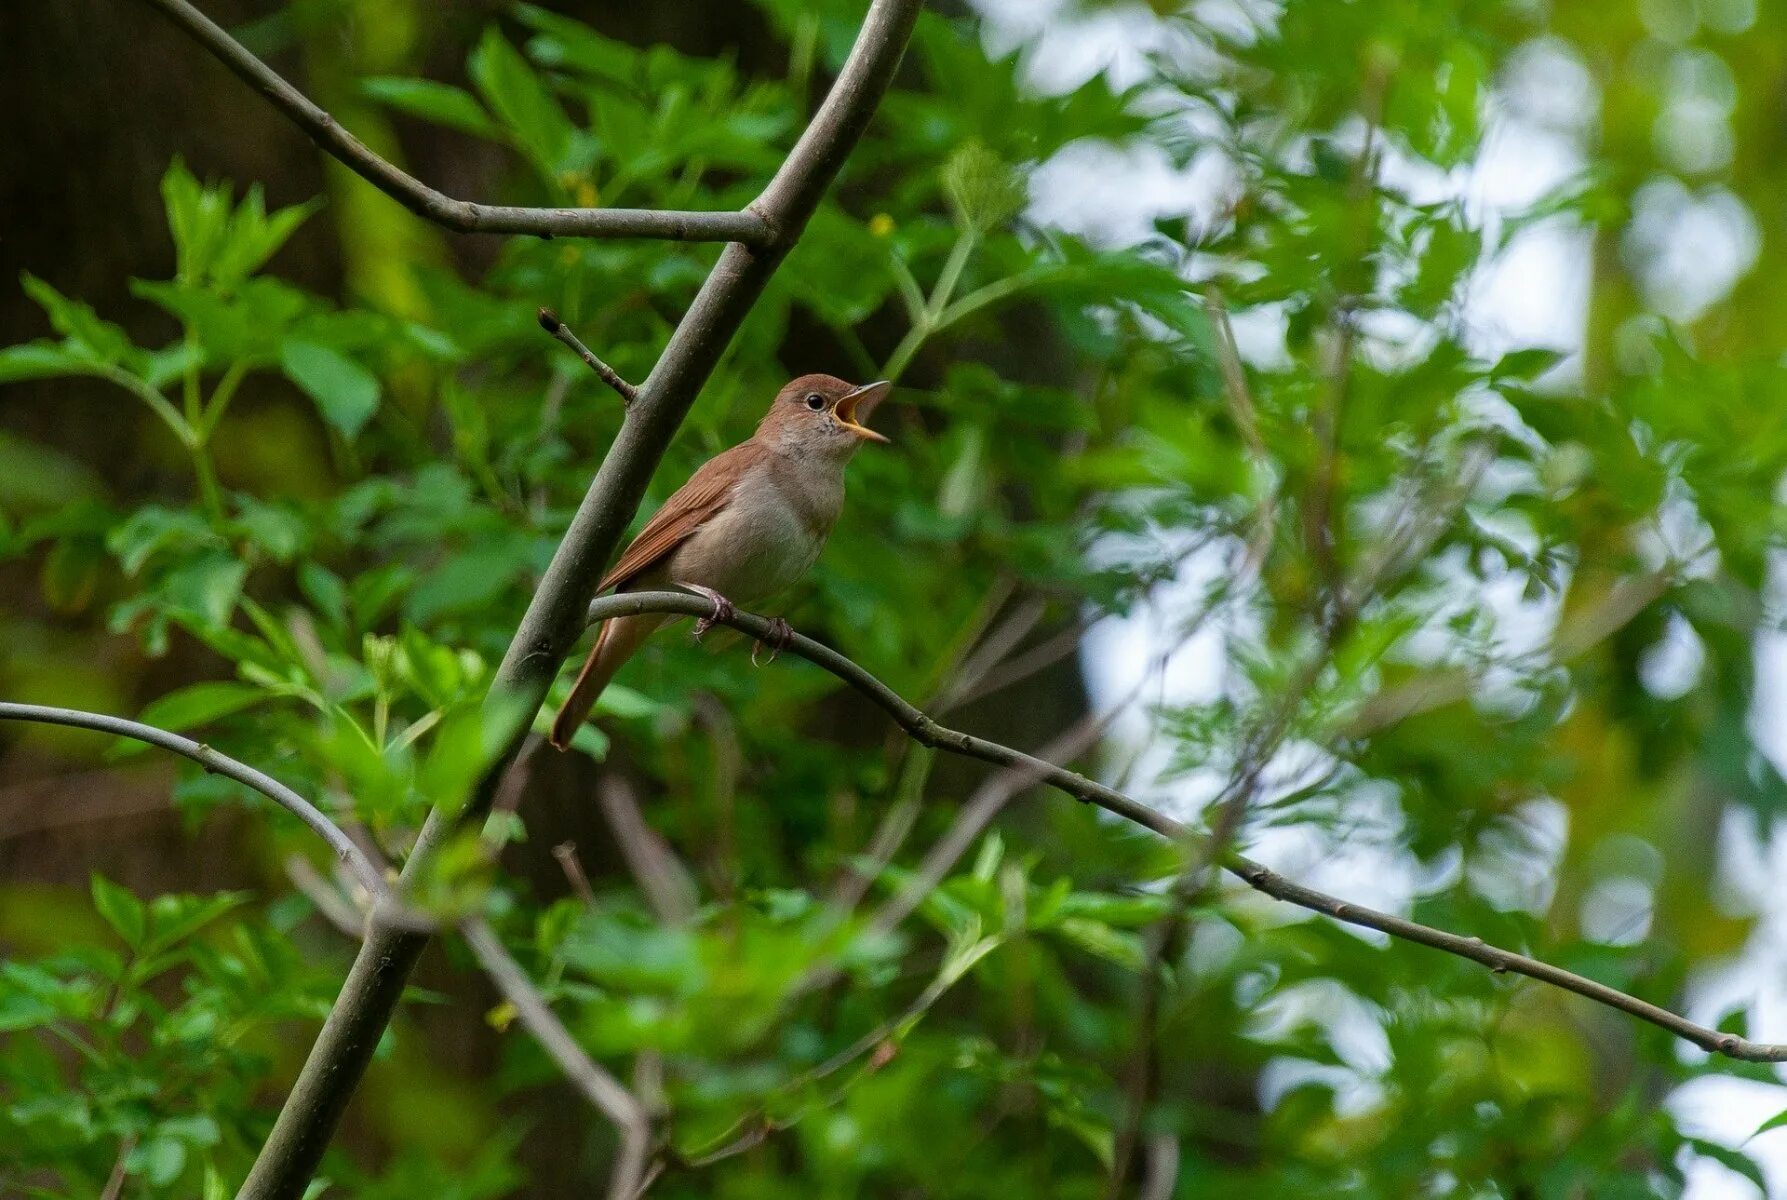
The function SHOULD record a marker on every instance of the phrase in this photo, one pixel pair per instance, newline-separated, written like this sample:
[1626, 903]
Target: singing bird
[747, 525]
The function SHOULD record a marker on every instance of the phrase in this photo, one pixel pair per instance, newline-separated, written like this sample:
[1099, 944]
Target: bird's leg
[779, 638]
[723, 608]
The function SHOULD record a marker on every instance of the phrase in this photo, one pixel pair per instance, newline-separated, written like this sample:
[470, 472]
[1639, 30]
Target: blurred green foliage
[1443, 572]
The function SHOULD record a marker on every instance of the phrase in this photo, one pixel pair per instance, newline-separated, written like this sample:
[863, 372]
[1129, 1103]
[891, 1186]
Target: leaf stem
[221, 395]
[210, 494]
[158, 403]
[952, 272]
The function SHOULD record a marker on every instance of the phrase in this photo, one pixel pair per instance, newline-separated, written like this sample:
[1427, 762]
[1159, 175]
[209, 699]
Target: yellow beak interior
[853, 408]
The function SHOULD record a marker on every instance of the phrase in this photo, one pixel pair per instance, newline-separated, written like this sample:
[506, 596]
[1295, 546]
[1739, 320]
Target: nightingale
[745, 526]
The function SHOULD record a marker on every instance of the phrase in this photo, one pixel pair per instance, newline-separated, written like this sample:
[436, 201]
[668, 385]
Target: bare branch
[1163, 1168]
[370, 874]
[330, 904]
[1246, 416]
[463, 216]
[566, 853]
[114, 1184]
[558, 329]
[654, 865]
[1261, 878]
[986, 802]
[599, 1087]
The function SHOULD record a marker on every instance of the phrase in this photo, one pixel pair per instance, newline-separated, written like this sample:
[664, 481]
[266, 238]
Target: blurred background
[1376, 408]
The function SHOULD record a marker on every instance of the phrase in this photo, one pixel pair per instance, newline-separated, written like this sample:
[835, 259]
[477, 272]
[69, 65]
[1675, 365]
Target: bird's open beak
[854, 408]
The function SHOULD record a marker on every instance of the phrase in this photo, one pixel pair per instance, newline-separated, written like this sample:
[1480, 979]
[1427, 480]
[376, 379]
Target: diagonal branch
[598, 1086]
[462, 216]
[370, 874]
[928, 732]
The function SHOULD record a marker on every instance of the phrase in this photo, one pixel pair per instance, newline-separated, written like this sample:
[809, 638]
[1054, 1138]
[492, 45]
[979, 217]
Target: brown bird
[747, 524]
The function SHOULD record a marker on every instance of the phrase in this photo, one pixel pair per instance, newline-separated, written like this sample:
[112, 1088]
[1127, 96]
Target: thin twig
[728, 762]
[1448, 685]
[370, 874]
[1245, 414]
[1163, 1168]
[330, 904]
[1256, 875]
[890, 834]
[991, 796]
[558, 329]
[519, 775]
[986, 654]
[598, 1086]
[657, 870]
[114, 1184]
[1022, 665]
[566, 853]
[748, 226]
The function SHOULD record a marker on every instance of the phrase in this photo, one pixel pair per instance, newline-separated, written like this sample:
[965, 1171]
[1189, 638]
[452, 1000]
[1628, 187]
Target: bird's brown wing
[688, 509]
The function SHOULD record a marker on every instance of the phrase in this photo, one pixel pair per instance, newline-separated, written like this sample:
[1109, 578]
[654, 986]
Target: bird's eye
[815, 401]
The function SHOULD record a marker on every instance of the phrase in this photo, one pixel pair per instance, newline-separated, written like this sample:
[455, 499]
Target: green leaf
[983, 190]
[71, 574]
[279, 531]
[256, 235]
[346, 393]
[200, 704]
[121, 910]
[208, 588]
[438, 102]
[160, 1160]
[196, 217]
[518, 98]
[152, 530]
[1524, 365]
[41, 360]
[1123, 949]
[216, 241]
[248, 323]
[1774, 1122]
[1734, 1160]
[325, 591]
[84, 333]
[173, 919]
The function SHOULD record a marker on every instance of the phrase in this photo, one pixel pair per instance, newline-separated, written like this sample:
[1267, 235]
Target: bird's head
[821, 414]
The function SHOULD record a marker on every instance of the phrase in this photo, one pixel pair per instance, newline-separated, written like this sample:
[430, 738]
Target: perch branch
[463, 216]
[1256, 875]
[558, 329]
[370, 874]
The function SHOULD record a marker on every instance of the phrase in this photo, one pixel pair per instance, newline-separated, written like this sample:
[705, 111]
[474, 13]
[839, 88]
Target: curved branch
[462, 216]
[1256, 875]
[357, 860]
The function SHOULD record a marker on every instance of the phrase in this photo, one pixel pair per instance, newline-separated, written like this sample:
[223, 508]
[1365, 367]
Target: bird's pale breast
[769, 533]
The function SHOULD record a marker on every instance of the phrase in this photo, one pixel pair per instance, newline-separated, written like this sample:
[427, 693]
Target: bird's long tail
[617, 642]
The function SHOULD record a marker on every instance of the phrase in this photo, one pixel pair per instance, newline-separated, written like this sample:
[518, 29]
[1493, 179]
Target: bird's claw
[778, 639]
[723, 612]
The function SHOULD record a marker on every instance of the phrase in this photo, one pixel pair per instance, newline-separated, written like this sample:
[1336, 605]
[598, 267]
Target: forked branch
[463, 216]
